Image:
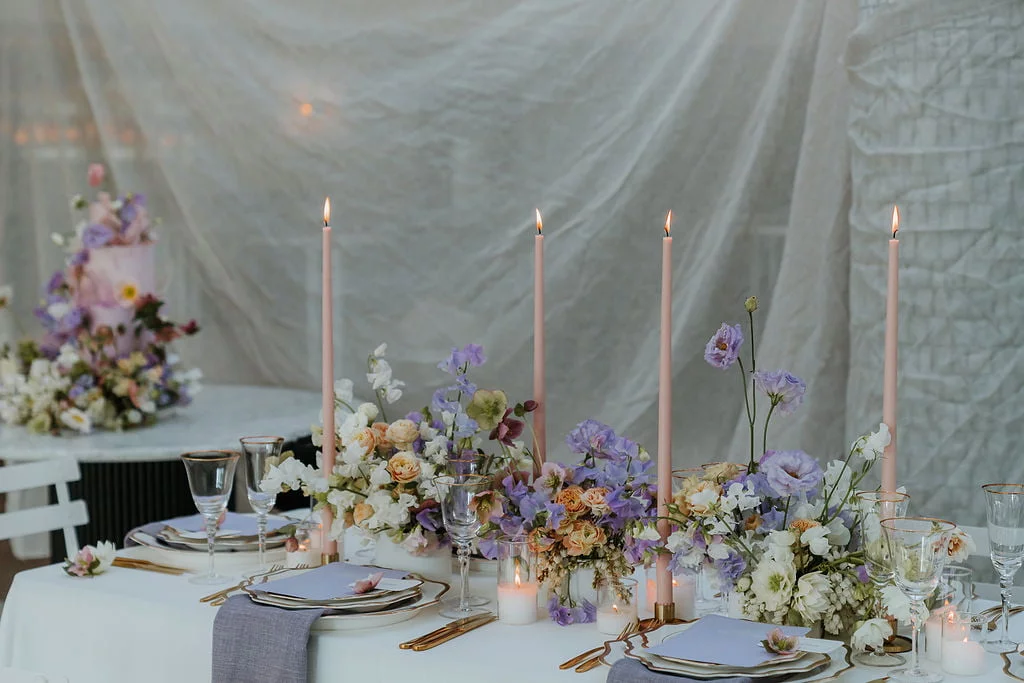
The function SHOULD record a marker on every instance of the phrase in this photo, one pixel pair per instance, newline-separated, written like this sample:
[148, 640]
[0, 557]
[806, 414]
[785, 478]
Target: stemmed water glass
[918, 548]
[457, 494]
[466, 463]
[258, 449]
[874, 507]
[1006, 548]
[211, 475]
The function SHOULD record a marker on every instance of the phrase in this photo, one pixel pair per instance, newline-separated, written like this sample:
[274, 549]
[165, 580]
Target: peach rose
[705, 493]
[538, 542]
[367, 438]
[582, 538]
[572, 498]
[403, 467]
[802, 525]
[402, 433]
[381, 432]
[361, 513]
[594, 499]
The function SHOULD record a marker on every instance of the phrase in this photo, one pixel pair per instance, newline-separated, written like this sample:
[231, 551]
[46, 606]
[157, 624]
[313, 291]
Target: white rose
[811, 597]
[369, 411]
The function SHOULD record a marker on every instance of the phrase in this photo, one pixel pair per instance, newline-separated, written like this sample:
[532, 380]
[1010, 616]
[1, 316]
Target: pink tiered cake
[111, 282]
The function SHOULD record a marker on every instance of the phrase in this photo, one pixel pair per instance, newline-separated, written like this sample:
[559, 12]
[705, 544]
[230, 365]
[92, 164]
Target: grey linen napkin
[259, 643]
[631, 671]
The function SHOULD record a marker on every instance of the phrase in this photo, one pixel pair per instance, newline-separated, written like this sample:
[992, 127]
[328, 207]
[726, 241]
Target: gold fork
[570, 663]
[603, 652]
[263, 579]
[224, 592]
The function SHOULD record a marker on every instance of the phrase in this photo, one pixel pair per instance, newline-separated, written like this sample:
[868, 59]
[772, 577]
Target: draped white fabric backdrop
[436, 127]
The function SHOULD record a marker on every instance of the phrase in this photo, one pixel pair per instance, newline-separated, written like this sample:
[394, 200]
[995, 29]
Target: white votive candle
[684, 594]
[517, 602]
[963, 658]
[933, 637]
[296, 557]
[612, 619]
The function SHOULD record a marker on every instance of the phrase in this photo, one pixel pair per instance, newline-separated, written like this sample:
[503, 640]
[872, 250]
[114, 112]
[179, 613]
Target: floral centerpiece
[105, 359]
[382, 480]
[586, 516]
[779, 531]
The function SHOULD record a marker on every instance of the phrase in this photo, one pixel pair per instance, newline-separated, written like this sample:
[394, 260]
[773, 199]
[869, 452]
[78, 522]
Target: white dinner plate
[430, 594]
[151, 548]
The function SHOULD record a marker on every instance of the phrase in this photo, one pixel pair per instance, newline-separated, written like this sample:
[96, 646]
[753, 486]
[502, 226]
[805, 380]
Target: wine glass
[457, 494]
[466, 463]
[874, 507]
[211, 475]
[258, 449]
[918, 548]
[1006, 548]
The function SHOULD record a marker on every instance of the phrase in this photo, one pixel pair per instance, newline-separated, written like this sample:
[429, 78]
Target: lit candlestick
[539, 386]
[329, 548]
[663, 575]
[891, 347]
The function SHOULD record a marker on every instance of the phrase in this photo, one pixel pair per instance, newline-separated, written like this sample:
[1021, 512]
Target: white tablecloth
[218, 416]
[129, 626]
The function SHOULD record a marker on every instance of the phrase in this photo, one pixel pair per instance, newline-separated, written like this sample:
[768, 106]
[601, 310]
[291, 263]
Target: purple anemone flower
[723, 348]
[791, 472]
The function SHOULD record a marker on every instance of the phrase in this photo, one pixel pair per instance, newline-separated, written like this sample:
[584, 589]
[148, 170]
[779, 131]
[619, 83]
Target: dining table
[128, 625]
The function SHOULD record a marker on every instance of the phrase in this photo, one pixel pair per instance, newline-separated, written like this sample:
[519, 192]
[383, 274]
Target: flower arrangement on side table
[105, 360]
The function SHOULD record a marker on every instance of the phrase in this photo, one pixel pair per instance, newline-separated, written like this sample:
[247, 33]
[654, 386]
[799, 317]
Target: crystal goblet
[1005, 514]
[258, 453]
[211, 475]
[457, 494]
[918, 549]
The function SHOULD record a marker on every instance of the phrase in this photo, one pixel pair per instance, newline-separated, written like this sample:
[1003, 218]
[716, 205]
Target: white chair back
[65, 514]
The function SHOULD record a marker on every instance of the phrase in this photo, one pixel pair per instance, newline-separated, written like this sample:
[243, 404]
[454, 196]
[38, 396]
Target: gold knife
[147, 566]
[407, 645]
[454, 633]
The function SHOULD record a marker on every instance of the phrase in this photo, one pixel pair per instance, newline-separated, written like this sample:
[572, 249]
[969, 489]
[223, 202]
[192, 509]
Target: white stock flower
[76, 419]
[104, 552]
[380, 475]
[772, 583]
[343, 390]
[816, 540]
[871, 634]
[811, 598]
[871, 446]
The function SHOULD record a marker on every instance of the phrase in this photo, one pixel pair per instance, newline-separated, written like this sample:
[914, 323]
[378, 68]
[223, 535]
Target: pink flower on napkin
[779, 643]
[368, 584]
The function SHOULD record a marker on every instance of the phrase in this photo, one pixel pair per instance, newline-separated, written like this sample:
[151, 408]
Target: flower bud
[530, 405]
[750, 304]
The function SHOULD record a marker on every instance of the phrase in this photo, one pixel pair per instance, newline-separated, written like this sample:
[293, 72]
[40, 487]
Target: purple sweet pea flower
[464, 385]
[79, 258]
[556, 513]
[465, 426]
[453, 363]
[862, 574]
[791, 472]
[586, 613]
[427, 518]
[415, 416]
[474, 355]
[590, 436]
[626, 504]
[441, 403]
[731, 567]
[488, 546]
[559, 614]
[785, 390]
[771, 520]
[636, 547]
[75, 392]
[723, 348]
[55, 282]
[96, 235]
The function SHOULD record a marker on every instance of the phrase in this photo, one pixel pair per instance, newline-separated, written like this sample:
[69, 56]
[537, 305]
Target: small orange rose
[403, 467]
[572, 498]
[381, 432]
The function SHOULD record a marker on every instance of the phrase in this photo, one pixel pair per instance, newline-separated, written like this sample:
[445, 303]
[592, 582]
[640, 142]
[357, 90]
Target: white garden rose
[871, 634]
[811, 598]
[403, 433]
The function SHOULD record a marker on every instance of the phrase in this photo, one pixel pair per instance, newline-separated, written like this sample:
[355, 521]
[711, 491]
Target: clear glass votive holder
[963, 647]
[685, 583]
[517, 581]
[616, 605]
[300, 549]
[956, 589]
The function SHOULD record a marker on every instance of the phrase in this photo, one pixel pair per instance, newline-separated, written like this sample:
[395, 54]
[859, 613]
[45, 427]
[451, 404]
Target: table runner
[260, 644]
[632, 671]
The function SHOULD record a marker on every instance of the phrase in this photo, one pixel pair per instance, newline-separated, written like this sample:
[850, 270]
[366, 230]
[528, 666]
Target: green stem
[750, 417]
[753, 361]
[764, 440]
[785, 516]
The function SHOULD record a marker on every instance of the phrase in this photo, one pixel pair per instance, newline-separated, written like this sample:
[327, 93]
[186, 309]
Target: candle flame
[518, 581]
[540, 223]
[327, 212]
[895, 221]
[615, 608]
[668, 225]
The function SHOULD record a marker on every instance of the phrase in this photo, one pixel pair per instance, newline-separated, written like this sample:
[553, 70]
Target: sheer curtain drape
[437, 127]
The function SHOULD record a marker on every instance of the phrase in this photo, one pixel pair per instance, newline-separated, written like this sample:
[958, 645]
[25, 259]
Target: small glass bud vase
[517, 582]
[616, 605]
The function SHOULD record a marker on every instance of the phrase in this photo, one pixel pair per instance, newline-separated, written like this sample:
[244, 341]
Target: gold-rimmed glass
[260, 453]
[1005, 516]
[457, 494]
[211, 475]
[875, 506]
[918, 549]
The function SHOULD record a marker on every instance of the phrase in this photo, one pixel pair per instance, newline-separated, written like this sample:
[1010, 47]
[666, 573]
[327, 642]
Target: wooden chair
[66, 514]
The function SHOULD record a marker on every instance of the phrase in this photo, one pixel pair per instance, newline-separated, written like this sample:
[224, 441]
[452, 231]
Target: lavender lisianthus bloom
[96, 235]
[785, 390]
[791, 472]
[723, 348]
[591, 436]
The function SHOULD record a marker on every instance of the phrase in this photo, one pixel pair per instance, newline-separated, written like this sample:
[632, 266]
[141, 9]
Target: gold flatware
[596, 659]
[132, 563]
[407, 645]
[277, 568]
[570, 663]
[451, 634]
[220, 600]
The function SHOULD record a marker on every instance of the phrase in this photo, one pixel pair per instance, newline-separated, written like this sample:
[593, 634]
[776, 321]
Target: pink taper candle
[540, 443]
[329, 547]
[664, 576]
[892, 319]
